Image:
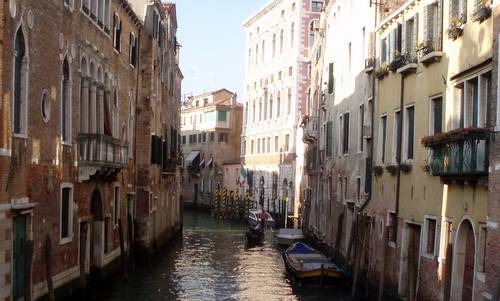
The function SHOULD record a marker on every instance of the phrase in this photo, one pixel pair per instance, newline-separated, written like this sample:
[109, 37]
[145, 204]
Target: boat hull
[254, 237]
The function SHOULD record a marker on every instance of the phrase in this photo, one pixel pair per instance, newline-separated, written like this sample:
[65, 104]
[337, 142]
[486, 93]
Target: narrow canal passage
[211, 262]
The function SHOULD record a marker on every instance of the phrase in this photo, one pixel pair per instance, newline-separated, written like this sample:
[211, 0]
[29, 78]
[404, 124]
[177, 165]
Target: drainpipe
[400, 148]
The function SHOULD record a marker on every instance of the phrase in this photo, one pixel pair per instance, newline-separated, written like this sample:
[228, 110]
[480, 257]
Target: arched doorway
[463, 262]
[97, 231]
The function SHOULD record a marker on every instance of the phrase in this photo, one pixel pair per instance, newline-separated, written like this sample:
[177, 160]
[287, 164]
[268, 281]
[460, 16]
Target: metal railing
[462, 157]
[102, 150]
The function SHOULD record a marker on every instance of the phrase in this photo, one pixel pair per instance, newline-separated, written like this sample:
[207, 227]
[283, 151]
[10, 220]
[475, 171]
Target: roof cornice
[261, 12]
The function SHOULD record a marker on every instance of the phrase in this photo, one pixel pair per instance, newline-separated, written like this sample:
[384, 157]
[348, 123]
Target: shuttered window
[410, 132]
[117, 27]
[330, 79]
[458, 11]
[329, 139]
[157, 150]
[345, 142]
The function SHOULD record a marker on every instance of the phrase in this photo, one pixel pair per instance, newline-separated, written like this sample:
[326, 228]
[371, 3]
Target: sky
[213, 43]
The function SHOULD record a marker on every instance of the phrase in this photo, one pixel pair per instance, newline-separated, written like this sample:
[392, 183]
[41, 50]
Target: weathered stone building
[68, 137]
[158, 117]
[210, 136]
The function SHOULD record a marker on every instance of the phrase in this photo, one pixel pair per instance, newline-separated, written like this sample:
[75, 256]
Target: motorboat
[310, 267]
[255, 215]
[288, 237]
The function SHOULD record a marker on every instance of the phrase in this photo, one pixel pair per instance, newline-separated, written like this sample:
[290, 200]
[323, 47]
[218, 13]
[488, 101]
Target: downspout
[400, 148]
[372, 124]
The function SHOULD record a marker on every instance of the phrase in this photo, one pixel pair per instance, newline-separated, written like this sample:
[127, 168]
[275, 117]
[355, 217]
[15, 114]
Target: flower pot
[482, 13]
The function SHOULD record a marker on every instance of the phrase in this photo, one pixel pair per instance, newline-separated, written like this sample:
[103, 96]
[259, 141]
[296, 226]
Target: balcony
[459, 154]
[407, 63]
[311, 130]
[369, 65]
[100, 155]
[429, 51]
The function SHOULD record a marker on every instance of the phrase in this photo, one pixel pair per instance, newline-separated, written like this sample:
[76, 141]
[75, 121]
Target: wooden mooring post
[123, 254]
[48, 267]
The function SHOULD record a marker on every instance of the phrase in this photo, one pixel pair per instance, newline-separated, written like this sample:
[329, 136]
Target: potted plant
[382, 70]
[405, 167]
[378, 170]
[424, 47]
[456, 27]
[483, 11]
[392, 169]
[398, 62]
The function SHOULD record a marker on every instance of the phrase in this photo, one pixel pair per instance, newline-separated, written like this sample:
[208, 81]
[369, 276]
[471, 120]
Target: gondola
[255, 235]
[310, 267]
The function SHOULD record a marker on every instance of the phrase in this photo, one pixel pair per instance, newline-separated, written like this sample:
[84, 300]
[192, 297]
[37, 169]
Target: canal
[211, 262]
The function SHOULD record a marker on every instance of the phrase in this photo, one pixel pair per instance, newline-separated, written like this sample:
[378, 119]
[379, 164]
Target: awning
[191, 157]
[209, 163]
[202, 162]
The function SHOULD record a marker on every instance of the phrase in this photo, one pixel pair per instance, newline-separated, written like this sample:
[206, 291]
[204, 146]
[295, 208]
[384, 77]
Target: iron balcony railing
[102, 151]
[465, 156]
[311, 130]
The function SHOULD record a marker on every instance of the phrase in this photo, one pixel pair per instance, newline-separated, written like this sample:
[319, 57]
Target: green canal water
[210, 261]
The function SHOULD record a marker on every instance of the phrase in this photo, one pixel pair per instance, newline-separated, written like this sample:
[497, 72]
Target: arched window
[312, 33]
[256, 55]
[20, 106]
[84, 97]
[260, 110]
[274, 45]
[271, 107]
[281, 42]
[131, 121]
[65, 104]
[289, 104]
[253, 112]
[278, 104]
[249, 57]
[292, 35]
[93, 9]
[264, 114]
[100, 13]
[263, 51]
[116, 115]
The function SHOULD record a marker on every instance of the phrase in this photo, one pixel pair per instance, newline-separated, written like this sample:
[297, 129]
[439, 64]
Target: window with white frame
[430, 236]
[471, 99]
[409, 142]
[410, 32]
[436, 115]
[20, 95]
[396, 136]
[431, 25]
[65, 104]
[116, 205]
[316, 6]
[382, 138]
[66, 212]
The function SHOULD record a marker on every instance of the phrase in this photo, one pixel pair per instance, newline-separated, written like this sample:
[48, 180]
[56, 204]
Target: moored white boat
[287, 237]
[255, 215]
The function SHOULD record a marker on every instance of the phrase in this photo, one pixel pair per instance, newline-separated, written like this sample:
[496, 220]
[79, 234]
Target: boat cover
[300, 248]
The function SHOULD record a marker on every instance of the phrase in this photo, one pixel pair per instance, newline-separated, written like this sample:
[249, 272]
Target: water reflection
[211, 262]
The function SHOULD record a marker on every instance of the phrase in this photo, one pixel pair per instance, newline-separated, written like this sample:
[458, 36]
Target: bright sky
[213, 43]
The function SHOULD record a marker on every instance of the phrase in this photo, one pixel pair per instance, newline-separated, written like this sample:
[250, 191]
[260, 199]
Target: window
[458, 11]
[383, 138]
[258, 146]
[268, 145]
[349, 61]
[345, 140]
[252, 147]
[289, 105]
[312, 33]
[271, 107]
[409, 133]
[281, 42]
[410, 35]
[69, 4]
[223, 137]
[430, 236]
[471, 100]
[276, 144]
[117, 28]
[432, 30]
[183, 139]
[293, 6]
[260, 110]
[330, 79]
[86, 6]
[212, 136]
[263, 51]
[396, 136]
[106, 15]
[383, 51]
[264, 114]
[482, 249]
[20, 105]
[45, 106]
[392, 223]
[65, 104]
[358, 189]
[436, 117]
[287, 142]
[274, 45]
[290, 71]
[278, 104]
[222, 116]
[66, 214]
[116, 204]
[329, 139]
[93, 9]
[361, 127]
[316, 6]
[133, 49]
[204, 137]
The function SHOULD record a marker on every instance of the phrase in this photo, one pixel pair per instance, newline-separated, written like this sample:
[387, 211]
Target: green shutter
[222, 116]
